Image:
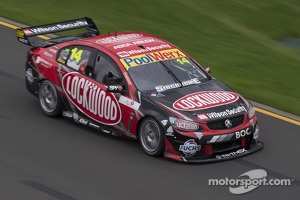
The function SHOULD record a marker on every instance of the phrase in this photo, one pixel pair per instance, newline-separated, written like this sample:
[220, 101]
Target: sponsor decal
[170, 131]
[117, 38]
[162, 46]
[167, 87]
[123, 54]
[220, 138]
[229, 136]
[105, 131]
[157, 56]
[242, 133]
[183, 125]
[48, 54]
[128, 53]
[56, 27]
[127, 78]
[43, 62]
[113, 88]
[68, 114]
[53, 50]
[164, 122]
[251, 112]
[227, 112]
[138, 42]
[205, 100]
[160, 95]
[73, 64]
[83, 121]
[202, 117]
[234, 153]
[23, 40]
[189, 148]
[256, 133]
[191, 82]
[28, 31]
[129, 102]
[29, 75]
[94, 126]
[63, 56]
[91, 98]
[20, 33]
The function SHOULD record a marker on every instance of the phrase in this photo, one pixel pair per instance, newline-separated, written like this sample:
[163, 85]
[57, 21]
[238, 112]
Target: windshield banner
[157, 56]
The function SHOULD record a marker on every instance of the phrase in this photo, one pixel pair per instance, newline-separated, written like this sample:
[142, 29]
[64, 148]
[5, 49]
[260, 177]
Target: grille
[226, 146]
[220, 124]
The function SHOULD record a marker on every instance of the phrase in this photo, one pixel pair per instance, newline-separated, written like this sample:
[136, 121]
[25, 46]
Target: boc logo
[242, 133]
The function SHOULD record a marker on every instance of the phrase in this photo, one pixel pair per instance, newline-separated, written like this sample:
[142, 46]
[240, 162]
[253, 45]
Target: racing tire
[49, 99]
[151, 137]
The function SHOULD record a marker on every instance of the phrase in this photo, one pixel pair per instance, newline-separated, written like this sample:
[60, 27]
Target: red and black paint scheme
[139, 86]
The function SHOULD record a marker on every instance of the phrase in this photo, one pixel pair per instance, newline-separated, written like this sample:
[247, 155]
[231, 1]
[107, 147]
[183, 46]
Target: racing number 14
[76, 54]
[182, 60]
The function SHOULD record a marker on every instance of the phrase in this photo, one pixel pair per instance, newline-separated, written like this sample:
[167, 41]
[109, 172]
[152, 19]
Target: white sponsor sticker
[117, 38]
[129, 102]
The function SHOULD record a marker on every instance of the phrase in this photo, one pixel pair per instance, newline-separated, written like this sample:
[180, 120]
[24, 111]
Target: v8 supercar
[139, 86]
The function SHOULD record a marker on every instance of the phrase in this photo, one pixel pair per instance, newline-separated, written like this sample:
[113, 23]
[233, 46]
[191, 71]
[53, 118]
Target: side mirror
[207, 69]
[110, 78]
[114, 83]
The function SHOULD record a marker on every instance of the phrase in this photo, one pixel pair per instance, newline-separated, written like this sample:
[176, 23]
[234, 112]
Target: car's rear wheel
[49, 99]
[151, 137]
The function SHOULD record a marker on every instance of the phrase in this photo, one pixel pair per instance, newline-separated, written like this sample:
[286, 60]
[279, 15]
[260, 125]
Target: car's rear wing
[23, 34]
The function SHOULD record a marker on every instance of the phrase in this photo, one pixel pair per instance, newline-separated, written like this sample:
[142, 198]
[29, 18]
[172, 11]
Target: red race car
[139, 86]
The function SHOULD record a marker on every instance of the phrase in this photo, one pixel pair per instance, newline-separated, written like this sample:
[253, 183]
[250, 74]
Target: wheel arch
[142, 136]
[155, 115]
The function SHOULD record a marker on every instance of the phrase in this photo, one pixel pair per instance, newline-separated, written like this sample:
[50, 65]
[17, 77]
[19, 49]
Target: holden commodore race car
[137, 85]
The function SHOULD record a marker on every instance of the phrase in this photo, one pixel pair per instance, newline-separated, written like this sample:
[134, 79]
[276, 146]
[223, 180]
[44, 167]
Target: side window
[76, 57]
[63, 55]
[105, 66]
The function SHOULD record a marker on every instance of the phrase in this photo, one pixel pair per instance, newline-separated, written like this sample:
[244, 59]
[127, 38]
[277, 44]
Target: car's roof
[125, 44]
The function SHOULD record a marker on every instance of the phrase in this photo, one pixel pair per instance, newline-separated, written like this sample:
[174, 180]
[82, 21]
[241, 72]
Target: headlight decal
[251, 112]
[184, 125]
[188, 126]
[256, 133]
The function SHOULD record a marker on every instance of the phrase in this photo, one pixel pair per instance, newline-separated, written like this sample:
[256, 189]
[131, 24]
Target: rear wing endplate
[23, 34]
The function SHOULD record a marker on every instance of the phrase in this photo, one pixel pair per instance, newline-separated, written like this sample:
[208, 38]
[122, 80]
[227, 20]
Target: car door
[93, 85]
[107, 73]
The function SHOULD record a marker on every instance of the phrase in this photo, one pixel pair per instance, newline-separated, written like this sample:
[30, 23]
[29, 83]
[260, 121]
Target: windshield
[167, 74]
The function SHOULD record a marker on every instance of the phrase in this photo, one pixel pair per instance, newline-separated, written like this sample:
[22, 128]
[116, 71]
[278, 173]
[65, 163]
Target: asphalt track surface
[50, 159]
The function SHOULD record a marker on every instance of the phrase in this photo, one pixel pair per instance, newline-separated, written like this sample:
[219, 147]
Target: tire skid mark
[48, 190]
[9, 76]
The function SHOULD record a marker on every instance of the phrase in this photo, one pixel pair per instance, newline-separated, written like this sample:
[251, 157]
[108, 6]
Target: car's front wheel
[151, 137]
[49, 99]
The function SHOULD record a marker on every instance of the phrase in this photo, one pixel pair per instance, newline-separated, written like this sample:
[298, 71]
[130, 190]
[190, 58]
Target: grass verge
[237, 39]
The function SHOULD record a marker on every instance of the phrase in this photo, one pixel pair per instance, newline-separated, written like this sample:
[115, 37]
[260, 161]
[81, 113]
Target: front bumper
[213, 148]
[228, 155]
